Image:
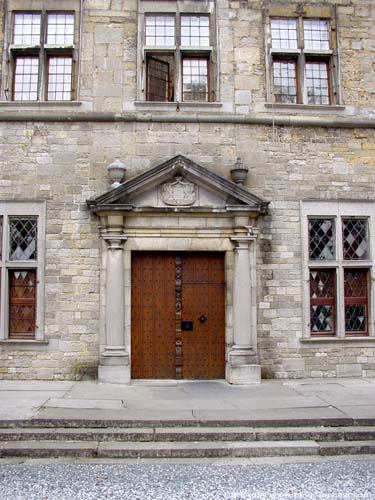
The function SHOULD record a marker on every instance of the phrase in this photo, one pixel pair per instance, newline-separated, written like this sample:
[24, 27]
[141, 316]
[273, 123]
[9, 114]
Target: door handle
[202, 318]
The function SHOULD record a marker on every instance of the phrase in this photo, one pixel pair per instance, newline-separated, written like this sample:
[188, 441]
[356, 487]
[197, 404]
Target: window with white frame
[178, 57]
[338, 255]
[21, 270]
[302, 60]
[42, 55]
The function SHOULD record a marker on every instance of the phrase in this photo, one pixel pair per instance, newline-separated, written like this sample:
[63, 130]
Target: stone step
[172, 422]
[176, 434]
[93, 449]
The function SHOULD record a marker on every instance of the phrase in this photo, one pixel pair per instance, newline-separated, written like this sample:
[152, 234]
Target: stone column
[243, 367]
[114, 360]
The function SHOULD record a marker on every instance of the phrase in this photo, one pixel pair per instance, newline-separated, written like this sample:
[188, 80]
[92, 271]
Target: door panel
[153, 316]
[203, 302]
[156, 321]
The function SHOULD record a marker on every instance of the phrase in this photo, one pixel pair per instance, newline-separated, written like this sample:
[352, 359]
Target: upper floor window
[42, 56]
[178, 57]
[302, 60]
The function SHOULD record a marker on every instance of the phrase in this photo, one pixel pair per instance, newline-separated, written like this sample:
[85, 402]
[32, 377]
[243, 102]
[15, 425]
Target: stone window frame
[42, 51]
[300, 12]
[178, 8]
[27, 209]
[337, 210]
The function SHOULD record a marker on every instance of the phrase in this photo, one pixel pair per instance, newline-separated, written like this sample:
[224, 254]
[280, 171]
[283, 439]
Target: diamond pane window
[356, 301]
[284, 33]
[285, 82]
[317, 83]
[195, 31]
[59, 79]
[355, 239]
[60, 29]
[321, 239]
[160, 30]
[322, 301]
[22, 303]
[316, 34]
[26, 29]
[23, 236]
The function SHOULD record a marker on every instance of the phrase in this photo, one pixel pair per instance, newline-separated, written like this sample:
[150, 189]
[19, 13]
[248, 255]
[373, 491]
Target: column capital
[242, 242]
[115, 241]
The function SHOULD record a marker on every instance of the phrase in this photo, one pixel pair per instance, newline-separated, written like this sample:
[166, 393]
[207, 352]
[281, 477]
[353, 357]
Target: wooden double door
[178, 315]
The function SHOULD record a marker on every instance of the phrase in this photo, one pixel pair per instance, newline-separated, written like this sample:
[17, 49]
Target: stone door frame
[182, 206]
[117, 244]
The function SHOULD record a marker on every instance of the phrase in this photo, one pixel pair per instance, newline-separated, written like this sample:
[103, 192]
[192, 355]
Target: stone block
[114, 374]
[349, 370]
[243, 374]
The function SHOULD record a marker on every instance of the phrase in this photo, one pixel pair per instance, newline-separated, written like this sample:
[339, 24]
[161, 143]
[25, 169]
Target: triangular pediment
[178, 183]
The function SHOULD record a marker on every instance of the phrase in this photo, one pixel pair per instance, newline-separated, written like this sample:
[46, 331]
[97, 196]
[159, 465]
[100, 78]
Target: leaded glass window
[22, 301]
[316, 34]
[322, 301]
[195, 31]
[60, 29]
[284, 33]
[195, 79]
[23, 239]
[26, 78]
[1, 237]
[42, 56]
[26, 28]
[355, 239]
[285, 81]
[356, 301]
[178, 57]
[160, 30]
[59, 78]
[317, 82]
[302, 61]
[321, 239]
[21, 269]
[339, 267]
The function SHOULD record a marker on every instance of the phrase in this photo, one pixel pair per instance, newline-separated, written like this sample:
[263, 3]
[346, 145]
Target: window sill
[304, 107]
[177, 105]
[318, 340]
[36, 104]
[23, 342]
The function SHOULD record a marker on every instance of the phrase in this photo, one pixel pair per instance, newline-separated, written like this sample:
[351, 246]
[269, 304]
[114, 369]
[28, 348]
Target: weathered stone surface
[65, 164]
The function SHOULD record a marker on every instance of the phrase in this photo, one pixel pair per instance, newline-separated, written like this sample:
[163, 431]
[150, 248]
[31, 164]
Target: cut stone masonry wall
[65, 164]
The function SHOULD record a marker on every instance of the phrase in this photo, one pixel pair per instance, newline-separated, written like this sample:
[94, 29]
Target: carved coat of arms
[178, 192]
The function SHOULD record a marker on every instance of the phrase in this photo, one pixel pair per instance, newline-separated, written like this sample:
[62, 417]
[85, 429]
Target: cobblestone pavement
[324, 480]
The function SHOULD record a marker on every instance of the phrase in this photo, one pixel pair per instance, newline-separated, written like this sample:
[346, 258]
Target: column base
[114, 374]
[243, 374]
[114, 366]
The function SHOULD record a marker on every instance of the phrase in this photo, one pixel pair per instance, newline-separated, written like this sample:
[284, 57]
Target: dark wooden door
[153, 325]
[178, 315]
[203, 303]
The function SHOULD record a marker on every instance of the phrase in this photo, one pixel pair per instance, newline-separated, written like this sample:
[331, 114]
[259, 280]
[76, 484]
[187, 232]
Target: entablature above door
[181, 186]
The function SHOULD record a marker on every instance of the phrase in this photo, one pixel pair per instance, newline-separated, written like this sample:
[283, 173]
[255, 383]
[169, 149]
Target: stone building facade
[174, 269]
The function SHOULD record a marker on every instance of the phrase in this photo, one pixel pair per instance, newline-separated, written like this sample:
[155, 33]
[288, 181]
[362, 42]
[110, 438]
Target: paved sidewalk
[311, 399]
